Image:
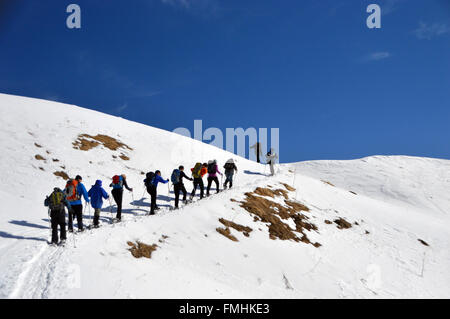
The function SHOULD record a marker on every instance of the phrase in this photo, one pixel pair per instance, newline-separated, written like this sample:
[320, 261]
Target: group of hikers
[74, 191]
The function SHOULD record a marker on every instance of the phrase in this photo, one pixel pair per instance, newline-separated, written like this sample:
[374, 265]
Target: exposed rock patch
[139, 249]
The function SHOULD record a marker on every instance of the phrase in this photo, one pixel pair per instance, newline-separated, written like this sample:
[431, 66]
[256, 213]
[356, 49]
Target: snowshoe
[62, 243]
[51, 244]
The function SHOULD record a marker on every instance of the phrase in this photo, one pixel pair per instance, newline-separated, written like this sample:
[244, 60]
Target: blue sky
[336, 89]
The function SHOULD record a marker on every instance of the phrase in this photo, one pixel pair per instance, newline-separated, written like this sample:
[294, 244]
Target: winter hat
[124, 176]
[230, 161]
[98, 182]
[78, 178]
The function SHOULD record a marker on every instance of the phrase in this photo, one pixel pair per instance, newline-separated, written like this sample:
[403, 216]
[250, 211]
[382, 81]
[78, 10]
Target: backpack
[175, 178]
[197, 170]
[149, 177]
[212, 168]
[229, 166]
[56, 200]
[117, 181]
[71, 190]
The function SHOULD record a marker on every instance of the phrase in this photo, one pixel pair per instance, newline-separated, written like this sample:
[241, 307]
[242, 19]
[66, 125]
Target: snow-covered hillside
[369, 228]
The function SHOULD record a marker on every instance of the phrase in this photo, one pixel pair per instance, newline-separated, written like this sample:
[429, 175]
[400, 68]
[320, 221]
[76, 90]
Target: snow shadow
[11, 236]
[27, 224]
[253, 173]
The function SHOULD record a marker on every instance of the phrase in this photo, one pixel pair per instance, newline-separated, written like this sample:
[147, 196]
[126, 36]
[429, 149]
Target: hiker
[96, 194]
[230, 170]
[271, 159]
[198, 171]
[178, 186]
[151, 182]
[74, 191]
[56, 202]
[117, 184]
[213, 170]
[258, 151]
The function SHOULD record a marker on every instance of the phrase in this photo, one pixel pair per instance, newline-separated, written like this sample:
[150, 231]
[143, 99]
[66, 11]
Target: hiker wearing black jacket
[56, 202]
[230, 170]
[179, 187]
[119, 182]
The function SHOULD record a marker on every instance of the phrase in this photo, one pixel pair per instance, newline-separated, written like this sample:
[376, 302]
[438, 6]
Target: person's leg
[272, 171]
[202, 188]
[195, 188]
[153, 200]
[210, 179]
[183, 189]
[70, 226]
[96, 216]
[62, 224]
[176, 189]
[54, 223]
[79, 214]
[118, 194]
[216, 180]
[231, 181]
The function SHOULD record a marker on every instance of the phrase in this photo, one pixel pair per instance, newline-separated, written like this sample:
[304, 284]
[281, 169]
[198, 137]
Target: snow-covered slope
[396, 202]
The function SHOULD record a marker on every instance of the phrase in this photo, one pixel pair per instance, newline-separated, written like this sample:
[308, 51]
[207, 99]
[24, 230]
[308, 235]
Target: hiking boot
[62, 242]
[70, 230]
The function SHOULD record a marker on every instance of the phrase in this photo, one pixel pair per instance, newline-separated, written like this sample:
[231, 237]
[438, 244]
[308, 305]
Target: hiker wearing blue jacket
[96, 194]
[77, 205]
[152, 189]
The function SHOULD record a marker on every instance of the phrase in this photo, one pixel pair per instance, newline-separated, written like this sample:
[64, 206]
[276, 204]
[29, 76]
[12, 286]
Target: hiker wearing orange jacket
[198, 171]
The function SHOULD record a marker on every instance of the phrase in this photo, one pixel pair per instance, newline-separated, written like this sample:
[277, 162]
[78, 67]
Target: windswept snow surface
[395, 201]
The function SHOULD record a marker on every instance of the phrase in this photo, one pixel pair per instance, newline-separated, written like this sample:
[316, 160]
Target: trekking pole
[110, 210]
[91, 218]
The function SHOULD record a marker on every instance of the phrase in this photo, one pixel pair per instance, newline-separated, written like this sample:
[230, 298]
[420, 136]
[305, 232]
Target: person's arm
[126, 185]
[46, 202]
[217, 169]
[105, 194]
[185, 176]
[84, 193]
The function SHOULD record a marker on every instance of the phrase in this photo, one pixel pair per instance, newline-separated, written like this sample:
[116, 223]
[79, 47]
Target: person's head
[205, 165]
[98, 182]
[78, 178]
[158, 173]
[124, 176]
[181, 168]
[215, 161]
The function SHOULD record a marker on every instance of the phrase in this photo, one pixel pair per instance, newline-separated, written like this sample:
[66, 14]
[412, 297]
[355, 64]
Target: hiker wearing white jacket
[271, 158]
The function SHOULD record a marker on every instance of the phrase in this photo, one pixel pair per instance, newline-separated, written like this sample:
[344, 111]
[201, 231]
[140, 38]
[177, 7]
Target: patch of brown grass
[124, 157]
[271, 192]
[39, 157]
[327, 182]
[227, 233]
[240, 228]
[85, 142]
[328, 222]
[342, 223]
[62, 174]
[288, 187]
[139, 249]
[272, 213]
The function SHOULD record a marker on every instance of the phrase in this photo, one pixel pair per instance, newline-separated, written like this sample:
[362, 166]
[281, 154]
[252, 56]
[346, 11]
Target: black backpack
[149, 177]
[229, 166]
[212, 168]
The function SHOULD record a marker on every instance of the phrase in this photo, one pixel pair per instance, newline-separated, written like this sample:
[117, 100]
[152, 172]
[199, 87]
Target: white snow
[398, 201]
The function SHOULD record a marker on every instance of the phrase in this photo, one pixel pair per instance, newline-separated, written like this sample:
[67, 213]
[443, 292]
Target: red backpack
[71, 190]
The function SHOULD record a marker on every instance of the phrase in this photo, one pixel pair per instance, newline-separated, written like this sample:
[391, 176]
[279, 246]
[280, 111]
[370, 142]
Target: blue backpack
[175, 178]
